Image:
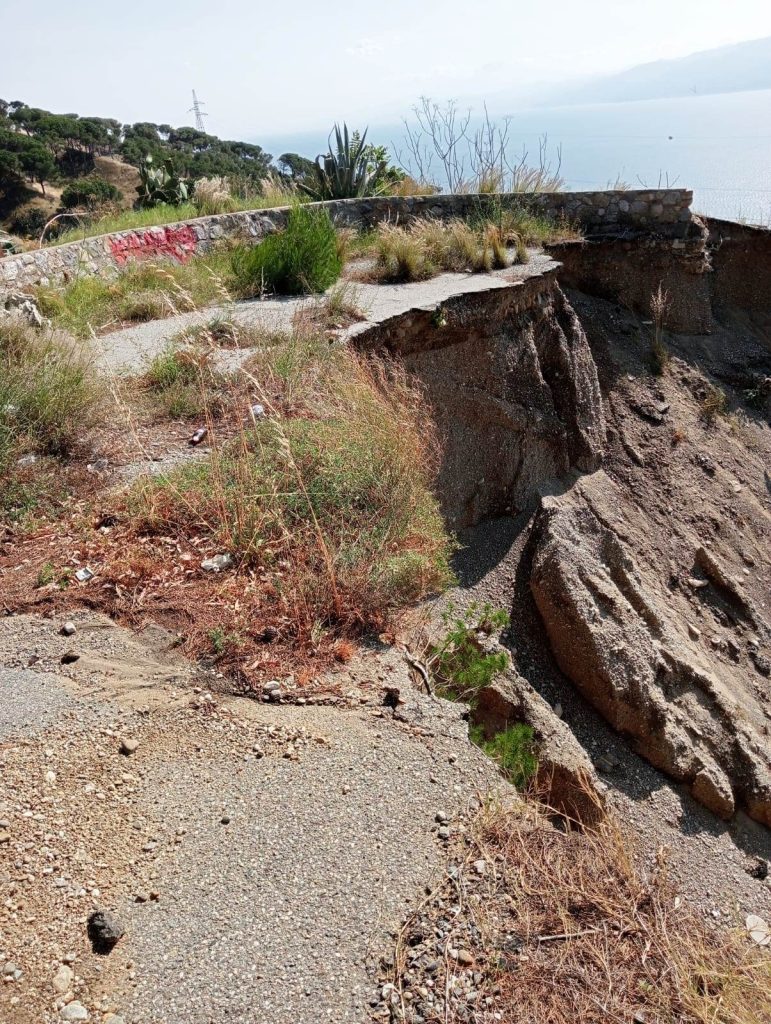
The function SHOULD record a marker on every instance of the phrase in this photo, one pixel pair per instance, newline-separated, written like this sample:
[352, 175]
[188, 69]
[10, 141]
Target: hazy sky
[273, 67]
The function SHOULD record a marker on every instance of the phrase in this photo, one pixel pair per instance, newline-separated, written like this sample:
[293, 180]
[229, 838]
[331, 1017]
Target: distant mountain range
[736, 68]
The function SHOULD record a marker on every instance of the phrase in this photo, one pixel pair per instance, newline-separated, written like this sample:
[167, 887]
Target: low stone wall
[665, 213]
[741, 265]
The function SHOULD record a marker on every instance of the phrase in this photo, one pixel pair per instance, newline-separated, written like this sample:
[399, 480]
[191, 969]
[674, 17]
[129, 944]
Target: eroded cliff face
[514, 389]
[650, 554]
[630, 643]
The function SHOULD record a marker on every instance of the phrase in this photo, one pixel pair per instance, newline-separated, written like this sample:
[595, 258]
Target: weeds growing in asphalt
[427, 247]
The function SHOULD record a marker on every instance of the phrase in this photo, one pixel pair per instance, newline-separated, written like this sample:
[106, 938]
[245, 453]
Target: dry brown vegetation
[317, 484]
[631, 950]
[572, 927]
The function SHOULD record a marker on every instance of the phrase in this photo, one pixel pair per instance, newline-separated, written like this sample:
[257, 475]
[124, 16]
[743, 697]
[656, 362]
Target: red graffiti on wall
[178, 243]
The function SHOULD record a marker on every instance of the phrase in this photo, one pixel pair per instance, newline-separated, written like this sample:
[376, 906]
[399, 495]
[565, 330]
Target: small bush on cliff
[459, 663]
[304, 257]
[514, 751]
[660, 306]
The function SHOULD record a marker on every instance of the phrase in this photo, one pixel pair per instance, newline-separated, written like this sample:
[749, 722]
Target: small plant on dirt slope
[459, 663]
[713, 404]
[304, 257]
[514, 750]
[660, 304]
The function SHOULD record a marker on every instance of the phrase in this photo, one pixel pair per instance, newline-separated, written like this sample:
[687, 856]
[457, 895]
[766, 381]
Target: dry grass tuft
[428, 247]
[713, 404]
[214, 195]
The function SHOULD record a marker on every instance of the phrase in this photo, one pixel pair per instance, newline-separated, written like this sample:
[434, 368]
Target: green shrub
[29, 223]
[304, 257]
[514, 750]
[90, 192]
[458, 662]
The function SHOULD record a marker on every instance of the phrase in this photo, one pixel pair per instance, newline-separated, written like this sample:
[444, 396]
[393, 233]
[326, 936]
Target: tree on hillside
[23, 156]
[294, 166]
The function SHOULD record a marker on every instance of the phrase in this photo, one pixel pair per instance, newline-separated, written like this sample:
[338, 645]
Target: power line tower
[199, 114]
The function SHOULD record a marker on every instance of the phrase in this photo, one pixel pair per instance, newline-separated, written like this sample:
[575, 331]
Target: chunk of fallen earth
[69, 657]
[104, 930]
[217, 563]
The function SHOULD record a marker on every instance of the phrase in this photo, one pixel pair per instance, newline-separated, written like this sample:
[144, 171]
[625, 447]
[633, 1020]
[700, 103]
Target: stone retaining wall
[664, 213]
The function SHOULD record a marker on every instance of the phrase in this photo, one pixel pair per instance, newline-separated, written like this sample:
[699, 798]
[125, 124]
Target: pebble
[63, 979]
[69, 629]
[69, 657]
[128, 746]
[104, 930]
[217, 563]
[74, 1011]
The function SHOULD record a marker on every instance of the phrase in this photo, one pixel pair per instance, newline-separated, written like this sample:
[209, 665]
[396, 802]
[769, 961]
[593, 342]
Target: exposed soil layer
[514, 391]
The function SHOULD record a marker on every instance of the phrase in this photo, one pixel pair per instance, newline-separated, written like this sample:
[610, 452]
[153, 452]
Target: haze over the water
[280, 77]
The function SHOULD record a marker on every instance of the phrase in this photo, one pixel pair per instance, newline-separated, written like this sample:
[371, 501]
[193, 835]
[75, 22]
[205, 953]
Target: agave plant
[162, 185]
[348, 170]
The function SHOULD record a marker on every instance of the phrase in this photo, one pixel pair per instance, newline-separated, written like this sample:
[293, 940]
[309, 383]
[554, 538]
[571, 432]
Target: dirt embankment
[652, 576]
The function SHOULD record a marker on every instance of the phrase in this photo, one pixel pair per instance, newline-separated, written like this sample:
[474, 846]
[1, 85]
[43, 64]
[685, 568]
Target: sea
[719, 146]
